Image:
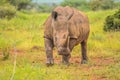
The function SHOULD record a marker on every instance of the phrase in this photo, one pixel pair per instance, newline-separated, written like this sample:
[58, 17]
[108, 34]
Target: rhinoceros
[65, 28]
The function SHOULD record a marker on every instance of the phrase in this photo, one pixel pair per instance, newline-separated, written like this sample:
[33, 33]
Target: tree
[6, 9]
[20, 4]
[79, 4]
[101, 4]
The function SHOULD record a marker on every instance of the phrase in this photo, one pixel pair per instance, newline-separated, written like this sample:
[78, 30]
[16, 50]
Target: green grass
[25, 32]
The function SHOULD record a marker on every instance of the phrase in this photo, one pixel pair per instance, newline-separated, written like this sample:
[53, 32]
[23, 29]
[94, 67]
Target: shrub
[7, 11]
[112, 22]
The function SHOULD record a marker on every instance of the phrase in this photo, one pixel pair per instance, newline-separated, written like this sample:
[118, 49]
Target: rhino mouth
[63, 51]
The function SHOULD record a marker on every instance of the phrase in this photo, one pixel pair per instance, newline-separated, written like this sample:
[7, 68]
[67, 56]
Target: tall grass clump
[5, 46]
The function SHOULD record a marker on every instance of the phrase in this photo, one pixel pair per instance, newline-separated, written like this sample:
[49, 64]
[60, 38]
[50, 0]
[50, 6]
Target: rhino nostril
[60, 49]
[59, 52]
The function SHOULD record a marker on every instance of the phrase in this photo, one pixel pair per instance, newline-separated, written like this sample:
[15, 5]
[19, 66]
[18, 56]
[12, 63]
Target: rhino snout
[63, 51]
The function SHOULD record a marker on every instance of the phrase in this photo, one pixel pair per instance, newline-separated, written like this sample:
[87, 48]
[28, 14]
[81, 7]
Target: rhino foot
[84, 62]
[50, 62]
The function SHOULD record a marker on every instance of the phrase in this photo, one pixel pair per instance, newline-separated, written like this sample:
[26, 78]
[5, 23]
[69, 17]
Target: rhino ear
[54, 15]
[69, 12]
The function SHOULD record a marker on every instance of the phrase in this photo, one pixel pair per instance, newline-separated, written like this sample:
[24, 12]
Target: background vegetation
[22, 45]
[112, 22]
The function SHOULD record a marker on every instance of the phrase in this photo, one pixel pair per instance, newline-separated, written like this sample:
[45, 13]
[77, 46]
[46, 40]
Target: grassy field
[22, 37]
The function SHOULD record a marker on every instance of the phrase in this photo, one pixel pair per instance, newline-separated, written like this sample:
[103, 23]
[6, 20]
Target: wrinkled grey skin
[65, 28]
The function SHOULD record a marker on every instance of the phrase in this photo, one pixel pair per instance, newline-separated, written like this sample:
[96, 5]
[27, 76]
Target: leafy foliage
[95, 5]
[20, 4]
[101, 4]
[8, 8]
[112, 22]
[46, 8]
[79, 4]
[7, 11]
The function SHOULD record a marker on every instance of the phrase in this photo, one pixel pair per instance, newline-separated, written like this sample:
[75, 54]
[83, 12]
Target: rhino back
[79, 26]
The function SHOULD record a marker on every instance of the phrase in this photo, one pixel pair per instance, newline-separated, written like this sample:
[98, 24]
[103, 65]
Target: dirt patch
[18, 51]
[94, 77]
[76, 59]
[103, 61]
[98, 61]
[37, 48]
[95, 62]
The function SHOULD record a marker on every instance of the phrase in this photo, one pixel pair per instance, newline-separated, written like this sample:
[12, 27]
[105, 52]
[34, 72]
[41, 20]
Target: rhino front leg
[65, 58]
[49, 51]
[84, 52]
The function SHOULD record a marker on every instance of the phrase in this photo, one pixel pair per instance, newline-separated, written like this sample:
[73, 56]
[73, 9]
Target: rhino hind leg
[49, 52]
[84, 52]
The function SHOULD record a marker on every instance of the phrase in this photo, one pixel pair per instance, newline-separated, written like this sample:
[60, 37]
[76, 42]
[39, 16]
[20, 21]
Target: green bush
[7, 11]
[112, 22]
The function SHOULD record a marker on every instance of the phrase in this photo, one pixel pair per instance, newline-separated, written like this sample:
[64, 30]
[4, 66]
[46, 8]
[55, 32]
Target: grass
[25, 32]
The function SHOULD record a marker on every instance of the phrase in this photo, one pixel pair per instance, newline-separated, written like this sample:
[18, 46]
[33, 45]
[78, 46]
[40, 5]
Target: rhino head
[60, 18]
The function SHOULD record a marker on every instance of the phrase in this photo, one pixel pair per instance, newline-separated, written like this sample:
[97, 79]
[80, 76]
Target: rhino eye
[64, 36]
